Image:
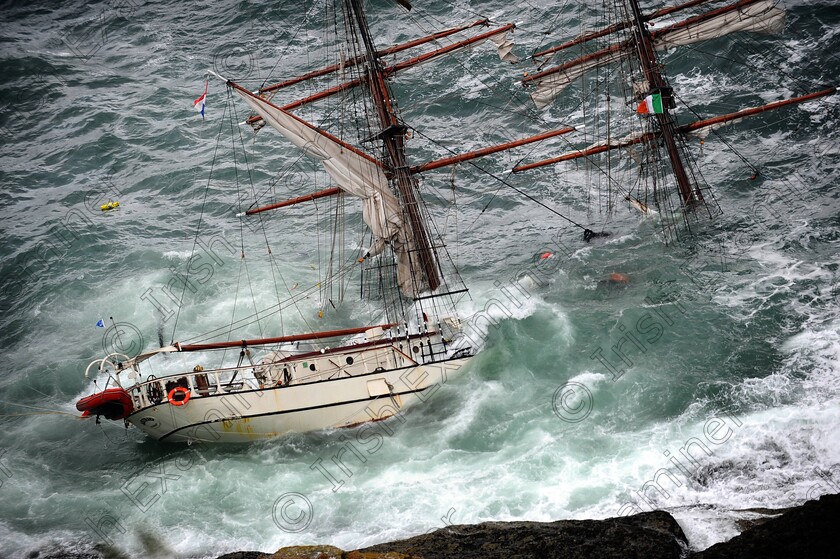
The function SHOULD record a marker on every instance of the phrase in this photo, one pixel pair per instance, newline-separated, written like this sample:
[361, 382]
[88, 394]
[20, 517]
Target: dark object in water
[589, 234]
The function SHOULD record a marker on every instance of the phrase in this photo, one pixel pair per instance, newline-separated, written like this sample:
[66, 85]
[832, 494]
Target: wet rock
[308, 552]
[806, 531]
[377, 555]
[652, 535]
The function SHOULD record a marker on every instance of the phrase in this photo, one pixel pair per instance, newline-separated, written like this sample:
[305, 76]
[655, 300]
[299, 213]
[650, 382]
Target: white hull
[263, 414]
[341, 387]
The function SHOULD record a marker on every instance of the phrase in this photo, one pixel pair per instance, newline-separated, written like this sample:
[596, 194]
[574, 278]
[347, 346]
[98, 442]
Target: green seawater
[583, 390]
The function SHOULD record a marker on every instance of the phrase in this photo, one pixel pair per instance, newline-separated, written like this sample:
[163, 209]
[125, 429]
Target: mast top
[420, 257]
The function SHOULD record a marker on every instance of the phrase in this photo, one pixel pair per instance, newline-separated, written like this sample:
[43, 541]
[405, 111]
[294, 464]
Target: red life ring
[179, 390]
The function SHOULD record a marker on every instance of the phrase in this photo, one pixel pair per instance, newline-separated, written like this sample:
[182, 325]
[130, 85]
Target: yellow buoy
[109, 206]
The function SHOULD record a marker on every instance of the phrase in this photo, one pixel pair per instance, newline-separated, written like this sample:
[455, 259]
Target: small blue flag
[100, 324]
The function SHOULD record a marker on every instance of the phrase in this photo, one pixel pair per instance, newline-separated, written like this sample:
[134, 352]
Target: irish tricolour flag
[652, 104]
[199, 103]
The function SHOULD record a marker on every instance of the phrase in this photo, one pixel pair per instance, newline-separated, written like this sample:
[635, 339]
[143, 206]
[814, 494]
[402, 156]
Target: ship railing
[327, 364]
[295, 369]
[202, 383]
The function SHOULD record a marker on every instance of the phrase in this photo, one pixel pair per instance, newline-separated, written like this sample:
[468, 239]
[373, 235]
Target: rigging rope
[200, 217]
[504, 182]
[720, 137]
[273, 263]
[527, 112]
[241, 232]
[283, 55]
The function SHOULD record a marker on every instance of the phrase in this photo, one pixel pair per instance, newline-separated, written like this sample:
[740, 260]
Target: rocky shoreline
[803, 531]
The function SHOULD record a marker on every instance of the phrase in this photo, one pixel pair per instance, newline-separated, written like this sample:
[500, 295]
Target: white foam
[590, 379]
[183, 255]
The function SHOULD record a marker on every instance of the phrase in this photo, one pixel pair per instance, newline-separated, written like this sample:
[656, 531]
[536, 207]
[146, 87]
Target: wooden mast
[682, 129]
[305, 198]
[616, 27]
[460, 158]
[280, 339]
[384, 52]
[393, 136]
[428, 166]
[650, 67]
[388, 70]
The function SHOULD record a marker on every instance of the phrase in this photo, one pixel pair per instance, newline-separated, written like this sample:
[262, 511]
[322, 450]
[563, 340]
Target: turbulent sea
[728, 392]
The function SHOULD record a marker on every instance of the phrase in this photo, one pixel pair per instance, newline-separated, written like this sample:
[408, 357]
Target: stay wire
[549, 31]
[44, 411]
[233, 118]
[504, 182]
[201, 215]
[521, 109]
[528, 114]
[720, 137]
[272, 265]
[799, 80]
[268, 311]
[242, 220]
[273, 182]
[283, 55]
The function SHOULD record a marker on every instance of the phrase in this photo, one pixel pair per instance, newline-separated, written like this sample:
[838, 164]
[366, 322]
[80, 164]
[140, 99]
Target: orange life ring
[181, 390]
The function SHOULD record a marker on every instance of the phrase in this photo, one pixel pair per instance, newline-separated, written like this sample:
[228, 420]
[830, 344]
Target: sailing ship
[641, 155]
[345, 377]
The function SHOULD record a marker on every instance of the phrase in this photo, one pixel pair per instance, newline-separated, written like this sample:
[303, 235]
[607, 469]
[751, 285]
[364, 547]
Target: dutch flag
[199, 103]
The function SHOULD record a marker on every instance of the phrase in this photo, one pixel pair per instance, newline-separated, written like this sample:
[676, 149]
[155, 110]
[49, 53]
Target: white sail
[549, 87]
[761, 17]
[354, 173]
[625, 141]
[504, 46]
[704, 131]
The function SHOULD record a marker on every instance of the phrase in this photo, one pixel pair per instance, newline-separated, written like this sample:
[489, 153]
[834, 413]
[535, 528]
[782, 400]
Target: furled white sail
[356, 174]
[704, 131]
[504, 46]
[761, 17]
[550, 86]
[613, 143]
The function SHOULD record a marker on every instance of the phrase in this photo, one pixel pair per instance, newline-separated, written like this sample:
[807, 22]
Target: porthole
[349, 360]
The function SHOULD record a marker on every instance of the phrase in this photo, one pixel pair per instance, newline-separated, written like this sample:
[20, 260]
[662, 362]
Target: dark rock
[745, 524]
[308, 552]
[756, 516]
[765, 510]
[806, 531]
[77, 550]
[650, 535]
[376, 555]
